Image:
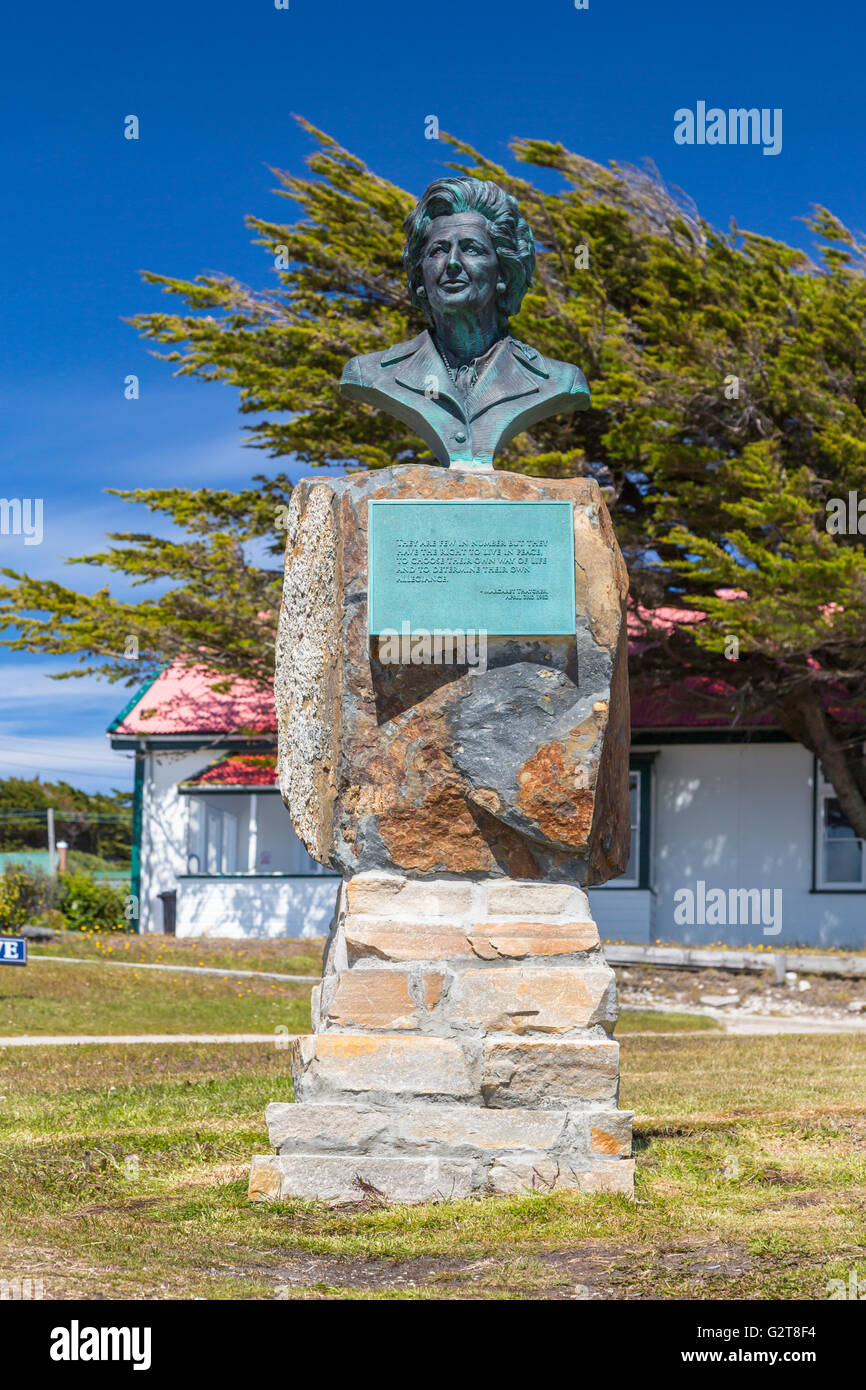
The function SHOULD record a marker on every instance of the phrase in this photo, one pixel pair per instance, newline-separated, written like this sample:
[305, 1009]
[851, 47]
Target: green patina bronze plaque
[505, 568]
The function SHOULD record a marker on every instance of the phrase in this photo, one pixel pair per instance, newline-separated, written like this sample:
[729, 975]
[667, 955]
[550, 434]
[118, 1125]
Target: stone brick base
[463, 1043]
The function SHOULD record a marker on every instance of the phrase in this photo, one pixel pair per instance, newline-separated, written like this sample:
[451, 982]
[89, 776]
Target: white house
[214, 852]
[736, 837]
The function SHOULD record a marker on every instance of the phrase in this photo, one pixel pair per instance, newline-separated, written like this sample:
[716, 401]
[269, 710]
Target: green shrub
[88, 905]
[24, 894]
[52, 919]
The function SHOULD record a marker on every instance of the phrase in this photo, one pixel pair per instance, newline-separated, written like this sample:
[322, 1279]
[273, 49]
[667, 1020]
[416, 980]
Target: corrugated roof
[181, 700]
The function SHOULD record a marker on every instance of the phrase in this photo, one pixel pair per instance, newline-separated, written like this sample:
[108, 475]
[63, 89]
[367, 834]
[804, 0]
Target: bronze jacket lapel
[423, 365]
[507, 377]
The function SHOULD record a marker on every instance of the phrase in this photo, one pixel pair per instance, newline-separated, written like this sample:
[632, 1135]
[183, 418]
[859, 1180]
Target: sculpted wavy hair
[509, 231]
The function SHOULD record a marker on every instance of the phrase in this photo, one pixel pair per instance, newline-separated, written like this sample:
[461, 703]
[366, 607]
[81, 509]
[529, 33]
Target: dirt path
[750, 1004]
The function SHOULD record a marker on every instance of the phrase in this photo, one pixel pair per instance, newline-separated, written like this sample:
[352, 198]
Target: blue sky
[214, 87]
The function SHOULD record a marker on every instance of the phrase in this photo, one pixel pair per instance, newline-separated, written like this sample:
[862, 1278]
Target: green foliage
[52, 919]
[92, 823]
[728, 375]
[220, 606]
[76, 902]
[88, 905]
[24, 895]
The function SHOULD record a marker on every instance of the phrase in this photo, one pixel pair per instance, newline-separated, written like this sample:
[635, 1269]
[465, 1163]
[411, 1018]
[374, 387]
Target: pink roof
[643, 622]
[181, 701]
[238, 770]
[692, 702]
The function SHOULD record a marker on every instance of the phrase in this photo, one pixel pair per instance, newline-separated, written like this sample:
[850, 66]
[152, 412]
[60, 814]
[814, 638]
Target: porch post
[253, 840]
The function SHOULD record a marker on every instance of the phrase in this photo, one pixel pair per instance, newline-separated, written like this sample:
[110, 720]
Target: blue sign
[504, 568]
[13, 950]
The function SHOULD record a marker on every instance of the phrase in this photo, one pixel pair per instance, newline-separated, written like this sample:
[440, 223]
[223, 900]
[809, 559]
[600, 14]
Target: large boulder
[433, 771]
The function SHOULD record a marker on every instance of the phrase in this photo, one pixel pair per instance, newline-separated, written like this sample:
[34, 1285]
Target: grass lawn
[123, 1174]
[651, 1021]
[95, 999]
[284, 955]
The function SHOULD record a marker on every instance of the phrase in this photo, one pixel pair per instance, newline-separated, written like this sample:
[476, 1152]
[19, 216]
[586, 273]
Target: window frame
[641, 766]
[200, 808]
[199, 844]
[824, 791]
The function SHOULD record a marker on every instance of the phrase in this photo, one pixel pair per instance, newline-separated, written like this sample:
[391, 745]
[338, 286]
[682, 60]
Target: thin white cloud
[22, 682]
[80, 525]
[87, 759]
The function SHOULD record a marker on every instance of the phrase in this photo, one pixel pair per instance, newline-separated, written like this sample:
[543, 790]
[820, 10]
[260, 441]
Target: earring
[421, 291]
[500, 285]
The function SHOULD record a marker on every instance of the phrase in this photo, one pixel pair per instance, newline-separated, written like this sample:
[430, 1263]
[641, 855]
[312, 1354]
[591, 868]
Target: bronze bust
[465, 385]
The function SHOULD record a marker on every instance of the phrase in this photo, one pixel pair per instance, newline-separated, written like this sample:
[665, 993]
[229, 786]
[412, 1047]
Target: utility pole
[52, 853]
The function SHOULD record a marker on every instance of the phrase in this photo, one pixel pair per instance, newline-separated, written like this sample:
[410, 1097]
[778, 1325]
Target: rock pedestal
[463, 1025]
[462, 1044]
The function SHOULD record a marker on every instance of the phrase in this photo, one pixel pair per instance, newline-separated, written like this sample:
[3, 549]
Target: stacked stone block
[463, 1042]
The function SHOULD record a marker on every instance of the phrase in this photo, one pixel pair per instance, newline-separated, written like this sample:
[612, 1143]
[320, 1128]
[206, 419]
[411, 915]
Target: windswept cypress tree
[728, 374]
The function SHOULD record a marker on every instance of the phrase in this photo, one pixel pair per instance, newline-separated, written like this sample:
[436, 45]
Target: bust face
[459, 266]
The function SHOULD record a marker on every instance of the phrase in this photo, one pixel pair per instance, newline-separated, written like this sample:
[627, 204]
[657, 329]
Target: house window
[631, 877]
[245, 833]
[840, 858]
[637, 874]
[213, 839]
